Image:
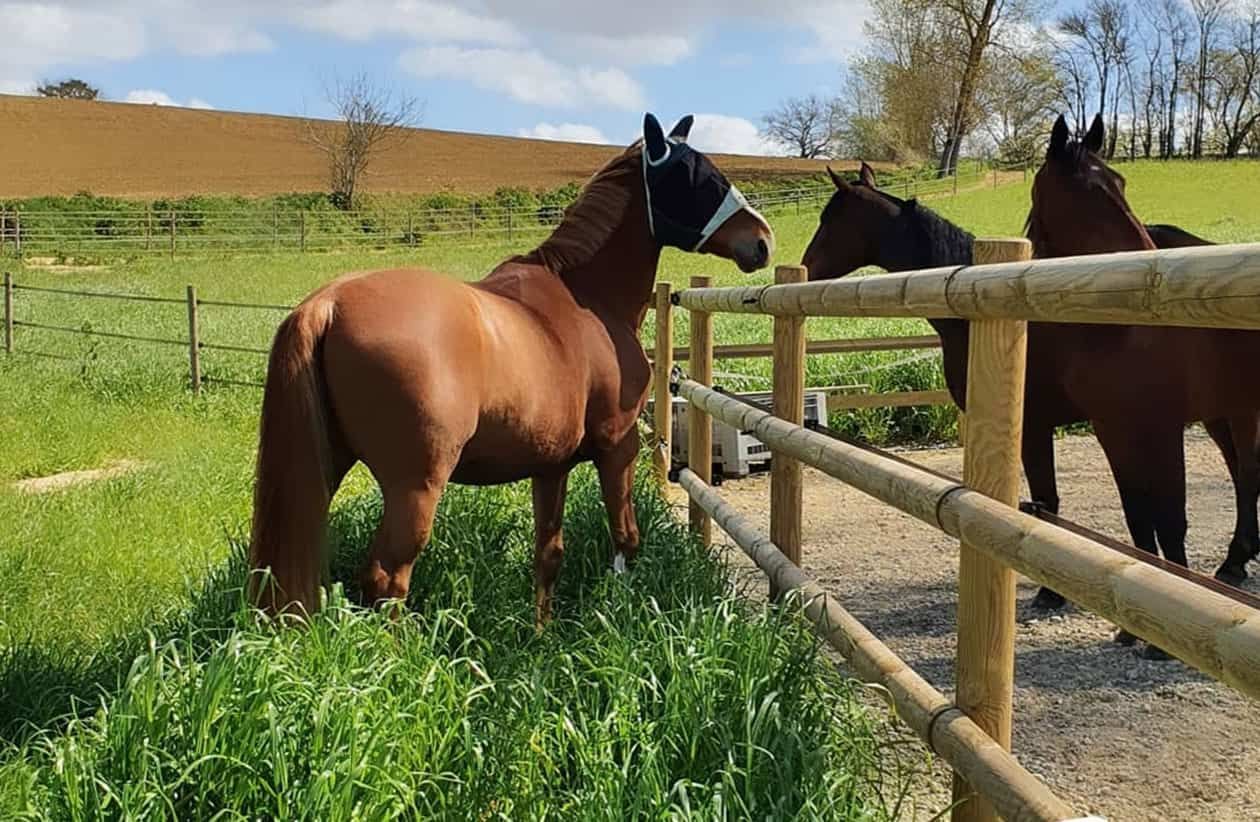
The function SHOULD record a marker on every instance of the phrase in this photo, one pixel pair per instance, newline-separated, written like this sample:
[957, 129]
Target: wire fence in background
[197, 346]
[136, 229]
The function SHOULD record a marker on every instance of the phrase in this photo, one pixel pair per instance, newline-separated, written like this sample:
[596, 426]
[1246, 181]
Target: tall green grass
[653, 694]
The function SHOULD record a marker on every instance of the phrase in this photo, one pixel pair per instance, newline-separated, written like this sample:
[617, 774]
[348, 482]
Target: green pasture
[132, 683]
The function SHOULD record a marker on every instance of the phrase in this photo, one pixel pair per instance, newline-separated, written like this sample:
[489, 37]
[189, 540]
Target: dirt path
[1115, 735]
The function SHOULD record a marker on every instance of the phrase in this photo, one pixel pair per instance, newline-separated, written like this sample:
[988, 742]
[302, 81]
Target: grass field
[660, 696]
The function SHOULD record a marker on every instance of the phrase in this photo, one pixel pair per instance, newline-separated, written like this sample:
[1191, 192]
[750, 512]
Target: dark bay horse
[525, 374]
[862, 226]
[1151, 381]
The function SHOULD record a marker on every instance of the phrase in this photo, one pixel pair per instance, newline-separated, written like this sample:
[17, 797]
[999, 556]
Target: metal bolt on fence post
[194, 342]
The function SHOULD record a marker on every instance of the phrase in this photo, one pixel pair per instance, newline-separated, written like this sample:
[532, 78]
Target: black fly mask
[688, 198]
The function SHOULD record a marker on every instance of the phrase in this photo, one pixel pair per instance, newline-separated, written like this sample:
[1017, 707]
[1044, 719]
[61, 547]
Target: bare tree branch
[371, 118]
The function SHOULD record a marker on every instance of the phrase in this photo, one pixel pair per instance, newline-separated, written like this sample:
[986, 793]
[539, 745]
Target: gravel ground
[1113, 734]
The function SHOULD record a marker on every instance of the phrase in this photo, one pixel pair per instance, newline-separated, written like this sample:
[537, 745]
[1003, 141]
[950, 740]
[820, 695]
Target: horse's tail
[294, 482]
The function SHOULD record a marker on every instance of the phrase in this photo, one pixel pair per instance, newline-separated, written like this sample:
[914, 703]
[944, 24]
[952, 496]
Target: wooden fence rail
[1017, 794]
[1212, 287]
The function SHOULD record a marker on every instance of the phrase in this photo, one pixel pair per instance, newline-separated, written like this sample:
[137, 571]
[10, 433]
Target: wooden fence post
[194, 342]
[699, 424]
[663, 406]
[275, 227]
[148, 227]
[8, 313]
[509, 227]
[302, 231]
[788, 404]
[4, 228]
[991, 465]
[17, 232]
[411, 229]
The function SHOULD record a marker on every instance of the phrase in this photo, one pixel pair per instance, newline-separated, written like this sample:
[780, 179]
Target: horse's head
[851, 227]
[692, 206]
[1078, 202]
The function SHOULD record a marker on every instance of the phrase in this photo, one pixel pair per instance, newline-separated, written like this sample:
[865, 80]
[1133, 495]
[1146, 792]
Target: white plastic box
[738, 453]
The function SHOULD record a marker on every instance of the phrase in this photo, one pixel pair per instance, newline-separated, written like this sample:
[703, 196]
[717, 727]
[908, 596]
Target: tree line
[938, 78]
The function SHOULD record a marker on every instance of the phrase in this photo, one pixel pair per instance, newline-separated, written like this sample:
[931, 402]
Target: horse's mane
[940, 242]
[594, 216]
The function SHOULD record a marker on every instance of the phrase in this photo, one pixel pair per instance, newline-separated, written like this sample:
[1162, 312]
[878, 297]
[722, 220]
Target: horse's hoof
[1047, 600]
[1031, 508]
[1125, 638]
[1231, 576]
[619, 563]
[1154, 653]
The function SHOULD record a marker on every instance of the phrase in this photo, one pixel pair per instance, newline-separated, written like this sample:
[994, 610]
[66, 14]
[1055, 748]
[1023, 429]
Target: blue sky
[583, 69]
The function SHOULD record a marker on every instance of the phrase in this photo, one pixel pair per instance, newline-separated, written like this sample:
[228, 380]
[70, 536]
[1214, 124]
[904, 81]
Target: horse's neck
[617, 280]
[933, 245]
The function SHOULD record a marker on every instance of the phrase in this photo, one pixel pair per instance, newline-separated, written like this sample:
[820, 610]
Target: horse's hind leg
[1244, 470]
[549, 493]
[402, 534]
[1038, 458]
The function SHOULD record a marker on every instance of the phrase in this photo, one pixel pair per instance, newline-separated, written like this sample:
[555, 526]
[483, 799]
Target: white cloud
[419, 20]
[565, 132]
[152, 96]
[638, 49]
[723, 134]
[527, 76]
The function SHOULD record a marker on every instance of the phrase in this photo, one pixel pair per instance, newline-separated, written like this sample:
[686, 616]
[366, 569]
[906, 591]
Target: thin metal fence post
[8, 313]
[171, 214]
[194, 342]
[302, 231]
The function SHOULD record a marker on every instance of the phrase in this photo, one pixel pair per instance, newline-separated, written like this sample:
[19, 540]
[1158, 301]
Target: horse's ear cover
[1059, 136]
[682, 128]
[654, 140]
[1094, 139]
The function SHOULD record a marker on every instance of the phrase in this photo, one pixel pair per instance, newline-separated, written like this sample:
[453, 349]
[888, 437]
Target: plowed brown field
[121, 149]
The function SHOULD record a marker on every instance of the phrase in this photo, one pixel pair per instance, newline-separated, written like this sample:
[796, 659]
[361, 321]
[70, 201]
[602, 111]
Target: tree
[71, 88]
[976, 24]
[1020, 94]
[1102, 31]
[805, 125]
[1207, 14]
[1235, 109]
[1173, 27]
[371, 118]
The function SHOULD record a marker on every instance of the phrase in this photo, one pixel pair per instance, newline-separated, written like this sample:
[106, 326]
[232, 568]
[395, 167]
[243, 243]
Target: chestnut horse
[524, 374]
[862, 226]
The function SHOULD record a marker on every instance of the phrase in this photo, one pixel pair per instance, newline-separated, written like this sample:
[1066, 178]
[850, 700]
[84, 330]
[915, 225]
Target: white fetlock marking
[619, 563]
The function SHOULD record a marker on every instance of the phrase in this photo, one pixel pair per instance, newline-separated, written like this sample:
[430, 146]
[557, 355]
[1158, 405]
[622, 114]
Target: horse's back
[423, 368]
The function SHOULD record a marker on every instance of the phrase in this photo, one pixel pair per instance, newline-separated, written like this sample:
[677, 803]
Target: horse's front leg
[616, 482]
[549, 492]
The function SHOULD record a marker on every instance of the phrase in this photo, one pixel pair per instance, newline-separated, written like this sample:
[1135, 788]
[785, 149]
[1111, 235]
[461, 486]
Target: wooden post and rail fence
[1218, 634]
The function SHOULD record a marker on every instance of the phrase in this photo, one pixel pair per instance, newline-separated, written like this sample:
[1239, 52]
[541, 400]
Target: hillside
[120, 149]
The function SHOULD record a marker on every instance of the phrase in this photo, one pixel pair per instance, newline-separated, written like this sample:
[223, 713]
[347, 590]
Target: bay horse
[863, 226]
[1165, 377]
[524, 374]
